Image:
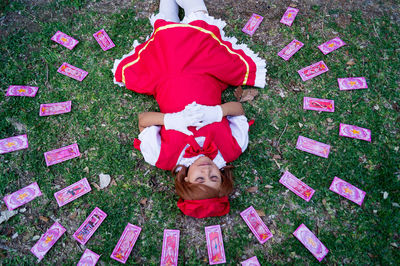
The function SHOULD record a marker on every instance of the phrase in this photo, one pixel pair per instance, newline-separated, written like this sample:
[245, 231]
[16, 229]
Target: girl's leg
[191, 6]
[170, 10]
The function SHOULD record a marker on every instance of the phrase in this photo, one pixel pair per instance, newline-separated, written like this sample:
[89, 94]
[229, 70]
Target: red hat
[205, 207]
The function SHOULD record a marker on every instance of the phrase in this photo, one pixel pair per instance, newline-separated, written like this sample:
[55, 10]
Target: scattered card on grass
[215, 245]
[22, 196]
[315, 104]
[72, 71]
[48, 240]
[72, 192]
[89, 258]
[289, 16]
[313, 146]
[296, 186]
[331, 45]
[61, 154]
[13, 144]
[256, 225]
[313, 70]
[19, 90]
[352, 83]
[252, 24]
[125, 244]
[55, 108]
[354, 132]
[347, 190]
[89, 226]
[311, 242]
[253, 261]
[64, 39]
[104, 40]
[290, 49]
[170, 248]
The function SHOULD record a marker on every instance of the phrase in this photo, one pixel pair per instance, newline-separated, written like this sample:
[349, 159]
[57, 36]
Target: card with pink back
[354, 132]
[253, 261]
[315, 104]
[331, 45]
[311, 242]
[20, 90]
[297, 186]
[170, 248]
[104, 40]
[22, 196]
[61, 154]
[72, 192]
[90, 225]
[289, 16]
[253, 23]
[215, 245]
[126, 243]
[256, 225]
[55, 108]
[347, 190]
[89, 258]
[48, 240]
[313, 70]
[65, 40]
[72, 71]
[352, 83]
[313, 146]
[13, 144]
[289, 50]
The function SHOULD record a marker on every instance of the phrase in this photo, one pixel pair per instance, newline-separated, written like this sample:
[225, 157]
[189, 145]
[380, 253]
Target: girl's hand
[210, 114]
[180, 121]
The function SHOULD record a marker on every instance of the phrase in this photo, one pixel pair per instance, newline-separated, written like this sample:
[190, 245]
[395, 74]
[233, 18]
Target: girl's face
[204, 171]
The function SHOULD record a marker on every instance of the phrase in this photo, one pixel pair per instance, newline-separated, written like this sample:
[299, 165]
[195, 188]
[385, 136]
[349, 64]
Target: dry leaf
[252, 189]
[96, 186]
[44, 219]
[238, 93]
[330, 120]
[143, 201]
[258, 178]
[113, 183]
[73, 215]
[86, 169]
[260, 213]
[268, 186]
[248, 95]
[54, 46]
[293, 5]
[351, 62]
[277, 157]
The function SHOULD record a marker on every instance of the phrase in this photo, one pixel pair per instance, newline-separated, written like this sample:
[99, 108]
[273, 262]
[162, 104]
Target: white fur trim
[117, 61]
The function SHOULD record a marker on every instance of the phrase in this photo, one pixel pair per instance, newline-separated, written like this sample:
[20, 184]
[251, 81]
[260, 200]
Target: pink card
[170, 248]
[290, 49]
[311, 242]
[347, 190]
[18, 90]
[64, 39]
[252, 24]
[331, 45]
[104, 40]
[352, 83]
[13, 144]
[289, 16]
[55, 108]
[323, 105]
[72, 192]
[72, 71]
[89, 258]
[48, 240]
[354, 132]
[312, 146]
[215, 245]
[61, 154]
[126, 242]
[296, 186]
[253, 261]
[256, 225]
[313, 70]
[22, 196]
[89, 226]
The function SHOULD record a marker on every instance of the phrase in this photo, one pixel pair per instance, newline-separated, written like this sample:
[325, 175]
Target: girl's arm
[232, 109]
[148, 119]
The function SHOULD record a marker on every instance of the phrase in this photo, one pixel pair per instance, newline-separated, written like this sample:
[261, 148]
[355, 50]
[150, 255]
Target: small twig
[282, 133]
[377, 35]
[327, 168]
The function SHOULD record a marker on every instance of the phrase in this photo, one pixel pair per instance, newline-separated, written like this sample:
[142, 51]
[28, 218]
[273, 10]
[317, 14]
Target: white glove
[181, 120]
[210, 114]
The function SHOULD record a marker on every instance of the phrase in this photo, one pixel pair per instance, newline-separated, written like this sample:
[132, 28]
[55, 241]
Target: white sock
[191, 6]
[170, 9]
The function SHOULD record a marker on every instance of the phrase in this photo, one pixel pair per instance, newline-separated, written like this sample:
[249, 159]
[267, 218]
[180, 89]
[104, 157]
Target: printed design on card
[312, 146]
[169, 256]
[89, 258]
[253, 261]
[22, 196]
[126, 242]
[17, 90]
[296, 186]
[72, 71]
[215, 246]
[347, 190]
[311, 242]
[316, 104]
[48, 240]
[355, 132]
[64, 39]
[72, 192]
[256, 225]
[89, 226]
[13, 144]
[313, 70]
[61, 154]
[290, 49]
[103, 39]
[252, 24]
[352, 83]
[55, 108]
[331, 45]
[289, 16]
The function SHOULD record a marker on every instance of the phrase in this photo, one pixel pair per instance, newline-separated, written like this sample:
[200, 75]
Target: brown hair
[191, 191]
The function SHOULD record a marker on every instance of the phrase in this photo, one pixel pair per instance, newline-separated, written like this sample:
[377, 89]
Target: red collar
[205, 207]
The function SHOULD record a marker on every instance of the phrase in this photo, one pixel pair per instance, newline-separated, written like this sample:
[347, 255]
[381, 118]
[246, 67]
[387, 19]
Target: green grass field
[103, 122]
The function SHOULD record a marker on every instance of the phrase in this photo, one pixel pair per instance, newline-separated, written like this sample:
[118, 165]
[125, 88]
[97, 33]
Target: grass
[103, 122]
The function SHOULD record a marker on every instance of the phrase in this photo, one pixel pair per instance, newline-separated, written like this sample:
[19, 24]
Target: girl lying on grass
[186, 66]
